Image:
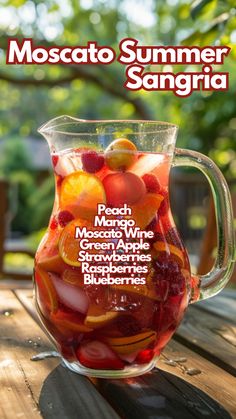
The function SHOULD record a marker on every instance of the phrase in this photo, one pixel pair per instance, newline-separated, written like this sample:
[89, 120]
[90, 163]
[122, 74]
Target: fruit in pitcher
[92, 161]
[145, 210]
[71, 296]
[47, 288]
[97, 355]
[64, 217]
[69, 321]
[121, 154]
[129, 344]
[121, 188]
[80, 194]
[151, 182]
[96, 317]
[175, 252]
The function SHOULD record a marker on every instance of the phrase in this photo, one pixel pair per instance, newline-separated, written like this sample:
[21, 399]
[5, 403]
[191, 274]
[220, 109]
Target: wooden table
[194, 378]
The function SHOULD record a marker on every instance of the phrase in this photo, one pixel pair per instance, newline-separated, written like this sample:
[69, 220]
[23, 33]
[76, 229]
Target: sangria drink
[112, 277]
[104, 312]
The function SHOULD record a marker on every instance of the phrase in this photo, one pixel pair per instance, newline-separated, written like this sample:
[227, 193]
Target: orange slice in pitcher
[145, 210]
[45, 283]
[98, 318]
[129, 344]
[170, 248]
[69, 246]
[80, 194]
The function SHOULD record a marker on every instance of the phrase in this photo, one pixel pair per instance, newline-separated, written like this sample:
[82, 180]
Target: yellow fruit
[80, 194]
[126, 345]
[69, 247]
[45, 283]
[98, 318]
[170, 248]
[121, 154]
[145, 210]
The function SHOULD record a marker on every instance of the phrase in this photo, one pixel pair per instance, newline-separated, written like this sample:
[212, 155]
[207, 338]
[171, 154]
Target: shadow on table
[156, 395]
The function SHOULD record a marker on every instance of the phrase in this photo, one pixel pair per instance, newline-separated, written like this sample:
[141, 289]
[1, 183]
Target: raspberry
[53, 224]
[64, 217]
[177, 285]
[151, 182]
[128, 325]
[165, 266]
[54, 159]
[92, 161]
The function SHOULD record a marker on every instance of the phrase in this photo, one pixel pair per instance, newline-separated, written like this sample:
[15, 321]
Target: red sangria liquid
[112, 276]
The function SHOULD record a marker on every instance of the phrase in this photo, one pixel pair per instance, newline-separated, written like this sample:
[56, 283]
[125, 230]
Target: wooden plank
[44, 388]
[211, 336]
[172, 385]
[15, 283]
[170, 392]
[223, 305]
[3, 212]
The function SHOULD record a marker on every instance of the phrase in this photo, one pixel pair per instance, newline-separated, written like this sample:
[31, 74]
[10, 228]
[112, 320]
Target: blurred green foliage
[31, 95]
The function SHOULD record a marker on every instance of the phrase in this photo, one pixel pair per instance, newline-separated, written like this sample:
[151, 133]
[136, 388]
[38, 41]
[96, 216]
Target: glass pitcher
[112, 276]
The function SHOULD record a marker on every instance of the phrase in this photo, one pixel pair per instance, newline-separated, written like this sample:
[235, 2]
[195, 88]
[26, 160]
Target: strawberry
[145, 356]
[92, 161]
[151, 182]
[97, 355]
[64, 217]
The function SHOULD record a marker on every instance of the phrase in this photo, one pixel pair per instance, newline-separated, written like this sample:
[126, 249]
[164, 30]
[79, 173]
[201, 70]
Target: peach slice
[145, 210]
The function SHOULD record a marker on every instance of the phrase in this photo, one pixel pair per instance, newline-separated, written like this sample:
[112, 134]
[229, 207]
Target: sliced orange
[145, 210]
[129, 344]
[69, 247]
[80, 194]
[170, 248]
[98, 318]
[45, 282]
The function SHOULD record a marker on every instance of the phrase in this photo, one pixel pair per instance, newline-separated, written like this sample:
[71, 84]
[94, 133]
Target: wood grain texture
[39, 389]
[210, 336]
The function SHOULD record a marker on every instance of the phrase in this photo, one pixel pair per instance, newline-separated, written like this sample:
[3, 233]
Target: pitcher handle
[205, 286]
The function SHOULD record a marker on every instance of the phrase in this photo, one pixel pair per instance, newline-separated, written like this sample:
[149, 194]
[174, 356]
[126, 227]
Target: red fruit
[53, 224]
[151, 182]
[128, 325]
[92, 161]
[164, 207]
[97, 355]
[64, 217]
[123, 188]
[54, 159]
[145, 356]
